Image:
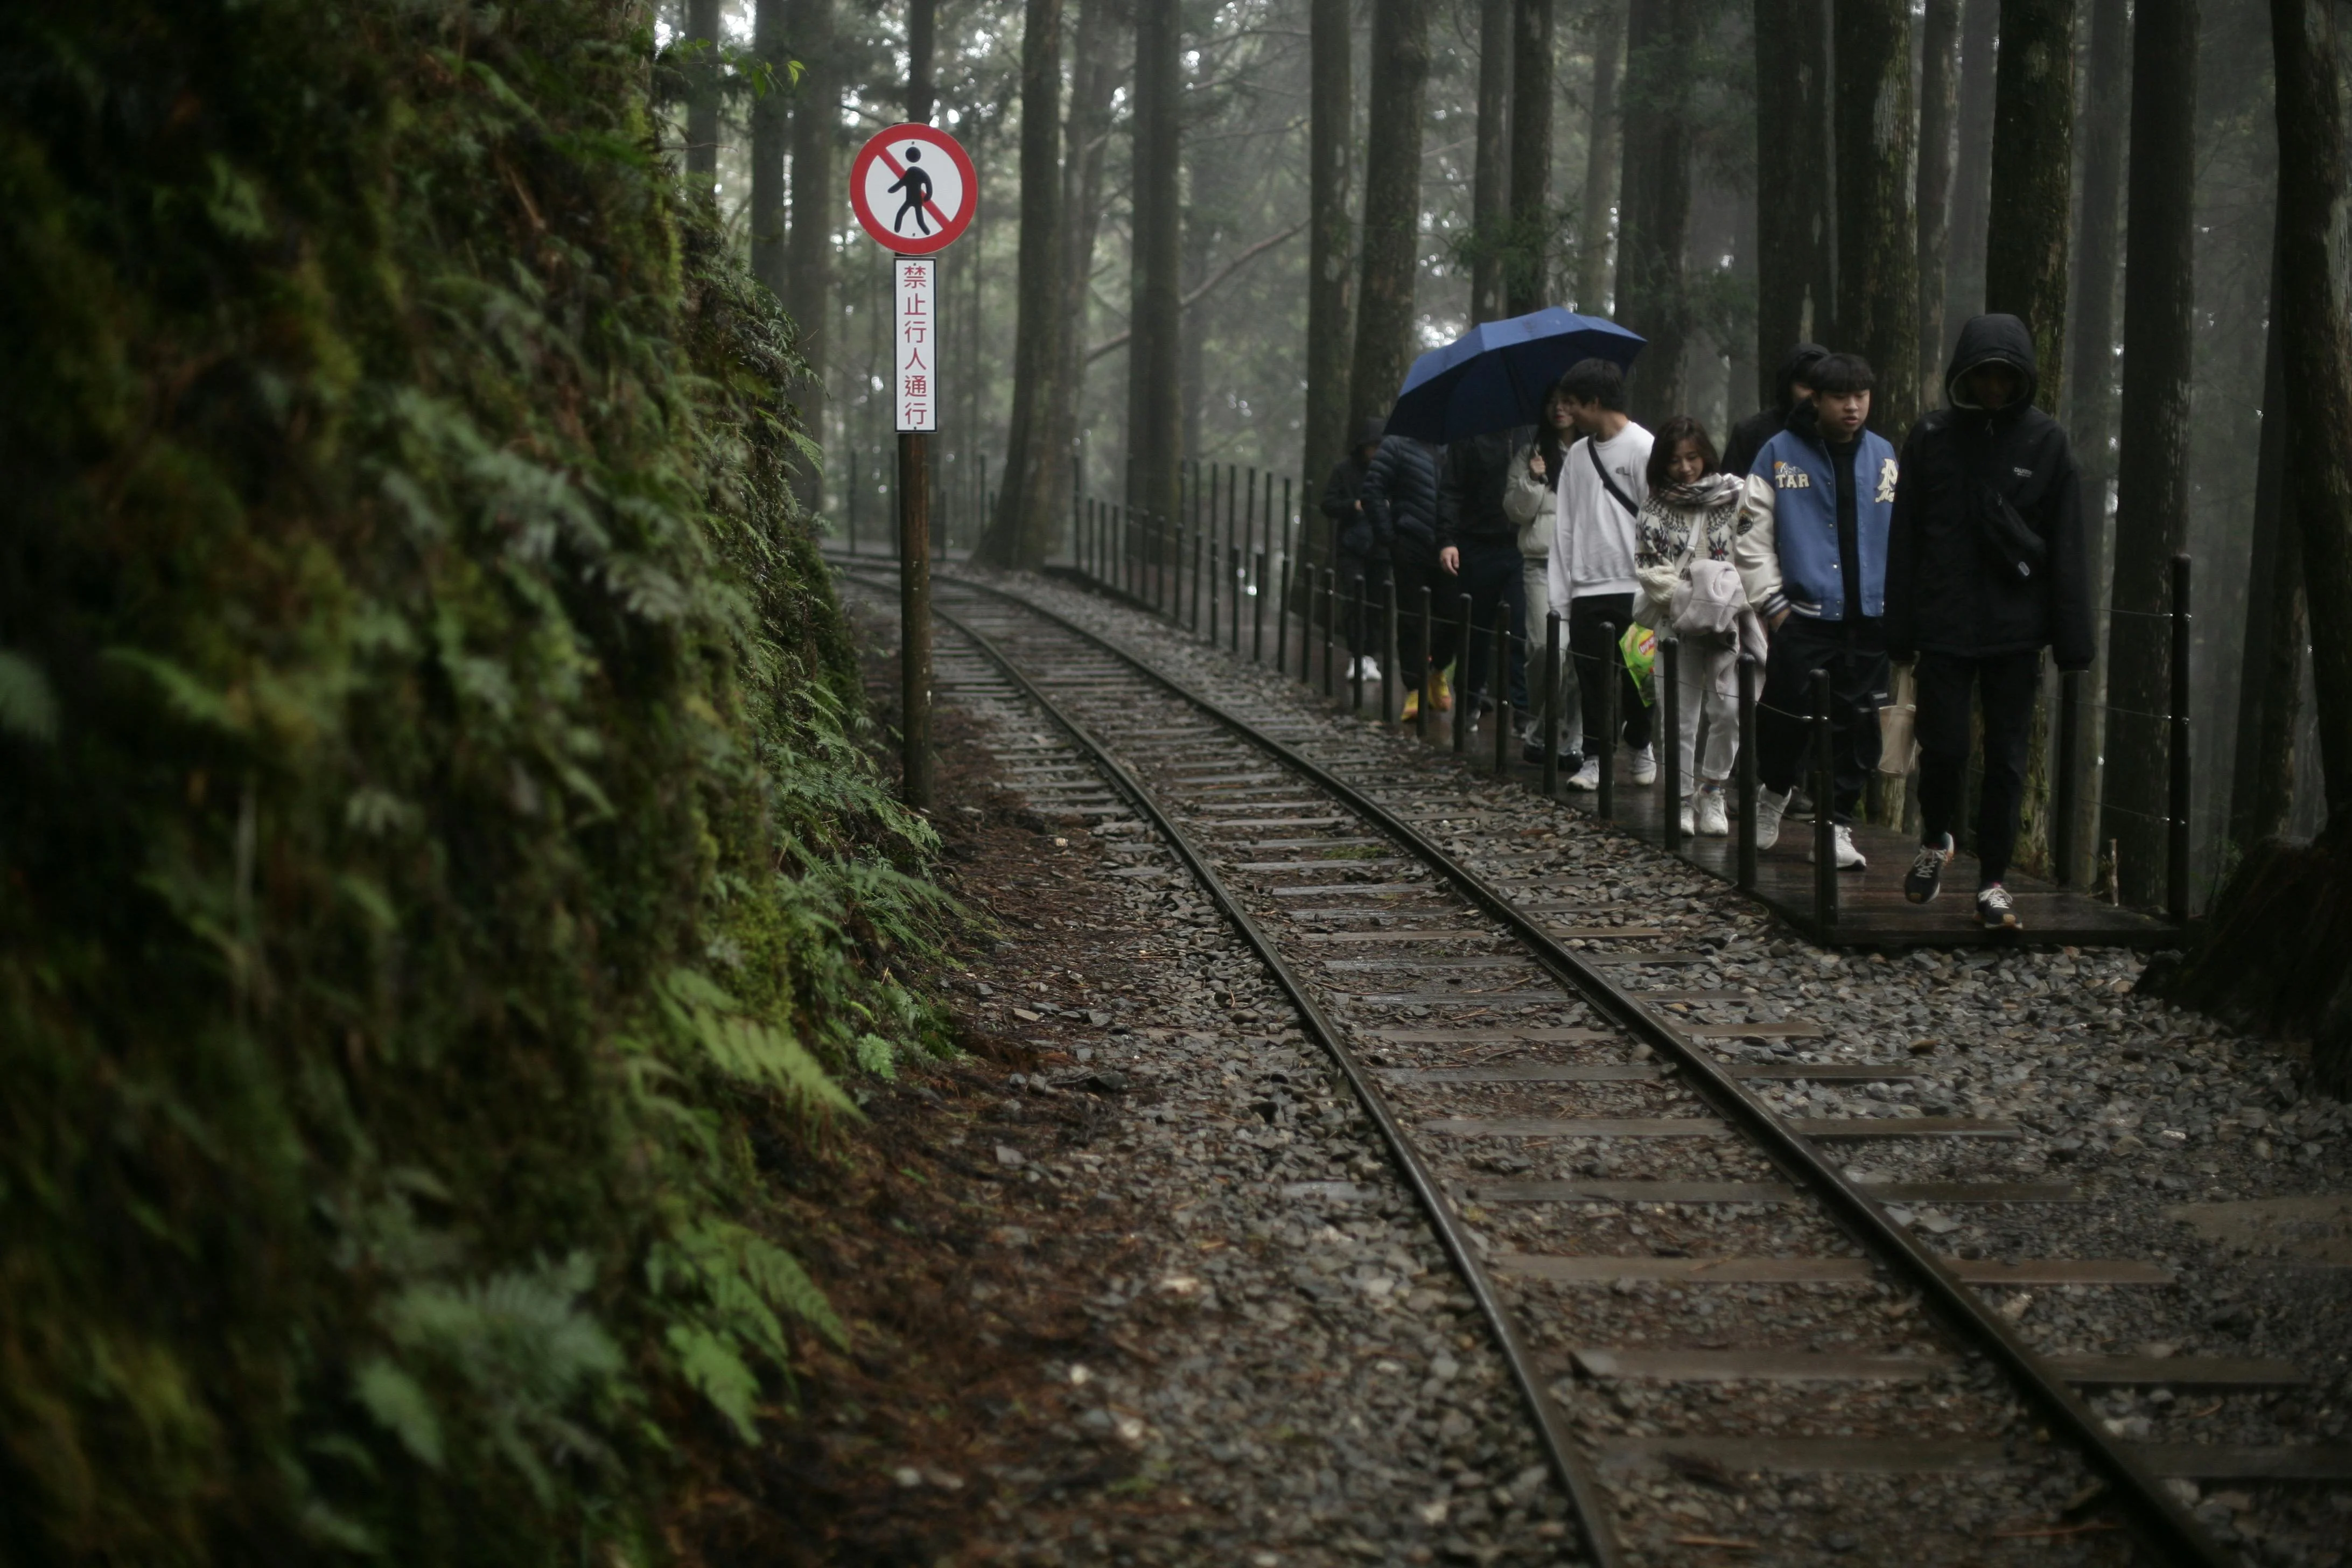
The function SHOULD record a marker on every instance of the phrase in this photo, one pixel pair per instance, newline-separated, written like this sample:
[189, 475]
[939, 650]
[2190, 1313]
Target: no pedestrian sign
[913, 189]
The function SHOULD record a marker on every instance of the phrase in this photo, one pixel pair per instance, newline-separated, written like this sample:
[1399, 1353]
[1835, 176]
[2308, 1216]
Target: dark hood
[1798, 361]
[1369, 436]
[1987, 338]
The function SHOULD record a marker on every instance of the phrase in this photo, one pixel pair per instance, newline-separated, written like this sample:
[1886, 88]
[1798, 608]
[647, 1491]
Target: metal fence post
[2176, 856]
[1551, 705]
[1361, 612]
[1747, 773]
[2069, 787]
[1425, 674]
[1387, 645]
[1463, 700]
[1502, 688]
[1330, 628]
[1258, 608]
[1669, 707]
[1282, 623]
[1613, 698]
[1234, 579]
[1825, 870]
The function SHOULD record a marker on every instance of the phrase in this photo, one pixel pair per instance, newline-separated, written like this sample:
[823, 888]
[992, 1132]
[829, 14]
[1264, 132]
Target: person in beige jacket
[1528, 501]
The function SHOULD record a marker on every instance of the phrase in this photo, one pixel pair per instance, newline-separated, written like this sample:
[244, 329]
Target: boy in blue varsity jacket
[1811, 555]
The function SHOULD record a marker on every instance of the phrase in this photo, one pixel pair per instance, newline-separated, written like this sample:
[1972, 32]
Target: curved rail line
[2156, 1516]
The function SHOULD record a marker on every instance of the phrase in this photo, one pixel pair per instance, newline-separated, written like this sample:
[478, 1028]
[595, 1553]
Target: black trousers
[1595, 622]
[2005, 685]
[1855, 656]
[1412, 577]
[1490, 575]
[1360, 619]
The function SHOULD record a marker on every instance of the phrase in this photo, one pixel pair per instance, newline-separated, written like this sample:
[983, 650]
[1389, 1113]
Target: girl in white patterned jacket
[1682, 539]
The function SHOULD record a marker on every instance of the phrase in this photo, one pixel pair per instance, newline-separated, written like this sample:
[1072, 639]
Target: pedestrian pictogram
[913, 189]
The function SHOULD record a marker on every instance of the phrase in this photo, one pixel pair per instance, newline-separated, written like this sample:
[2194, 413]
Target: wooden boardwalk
[1872, 911]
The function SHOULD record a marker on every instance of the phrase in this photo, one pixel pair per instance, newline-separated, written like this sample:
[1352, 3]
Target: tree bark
[1490, 175]
[1653, 218]
[2032, 177]
[1392, 207]
[770, 125]
[1095, 76]
[2311, 212]
[1594, 270]
[2098, 226]
[1964, 275]
[703, 100]
[1029, 502]
[1526, 272]
[1330, 238]
[1154, 411]
[2270, 679]
[1878, 255]
[808, 281]
[1792, 141]
[1940, 101]
[2152, 466]
[922, 43]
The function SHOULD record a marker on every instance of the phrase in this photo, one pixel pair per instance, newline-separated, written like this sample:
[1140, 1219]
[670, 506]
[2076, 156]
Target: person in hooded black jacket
[1400, 497]
[1748, 436]
[1985, 568]
[1356, 551]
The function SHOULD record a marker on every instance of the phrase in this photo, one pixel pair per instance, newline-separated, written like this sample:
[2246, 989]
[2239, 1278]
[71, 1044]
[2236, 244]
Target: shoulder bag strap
[1592, 450]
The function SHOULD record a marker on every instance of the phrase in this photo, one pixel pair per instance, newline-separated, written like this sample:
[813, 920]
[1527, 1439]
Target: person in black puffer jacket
[1356, 550]
[1985, 568]
[1479, 550]
[1400, 497]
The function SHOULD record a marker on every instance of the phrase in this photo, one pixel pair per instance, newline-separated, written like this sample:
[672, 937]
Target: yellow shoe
[1412, 707]
[1441, 696]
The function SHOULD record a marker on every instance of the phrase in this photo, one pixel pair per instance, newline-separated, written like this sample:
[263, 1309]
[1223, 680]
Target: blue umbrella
[1494, 375]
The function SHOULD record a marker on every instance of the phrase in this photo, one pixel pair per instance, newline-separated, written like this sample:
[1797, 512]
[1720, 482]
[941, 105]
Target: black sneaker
[1922, 882]
[1995, 908]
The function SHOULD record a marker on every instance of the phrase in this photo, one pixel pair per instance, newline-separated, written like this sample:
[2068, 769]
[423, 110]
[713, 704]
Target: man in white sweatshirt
[1603, 477]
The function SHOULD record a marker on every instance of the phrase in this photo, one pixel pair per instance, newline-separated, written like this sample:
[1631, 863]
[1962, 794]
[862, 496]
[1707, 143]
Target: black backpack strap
[1592, 450]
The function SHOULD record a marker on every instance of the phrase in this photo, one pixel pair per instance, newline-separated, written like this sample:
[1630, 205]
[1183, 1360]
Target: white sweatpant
[1703, 664]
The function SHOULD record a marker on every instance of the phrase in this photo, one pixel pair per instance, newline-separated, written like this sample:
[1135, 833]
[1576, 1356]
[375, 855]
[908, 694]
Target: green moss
[432, 844]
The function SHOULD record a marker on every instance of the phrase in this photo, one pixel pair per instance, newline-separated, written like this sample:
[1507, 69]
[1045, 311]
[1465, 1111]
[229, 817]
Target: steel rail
[2150, 1508]
[1593, 1518]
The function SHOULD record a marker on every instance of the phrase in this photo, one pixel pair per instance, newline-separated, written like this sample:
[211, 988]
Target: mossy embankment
[437, 876]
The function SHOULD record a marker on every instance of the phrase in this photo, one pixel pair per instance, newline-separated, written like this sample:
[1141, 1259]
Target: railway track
[1728, 1336]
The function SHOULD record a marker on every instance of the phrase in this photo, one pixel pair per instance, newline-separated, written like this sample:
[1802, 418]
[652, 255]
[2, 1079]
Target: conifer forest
[507, 1055]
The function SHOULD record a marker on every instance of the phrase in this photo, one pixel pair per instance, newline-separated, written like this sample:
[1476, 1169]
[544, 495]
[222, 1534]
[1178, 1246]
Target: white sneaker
[1849, 858]
[1645, 766]
[1690, 823]
[1588, 777]
[1372, 668]
[1714, 819]
[1770, 808]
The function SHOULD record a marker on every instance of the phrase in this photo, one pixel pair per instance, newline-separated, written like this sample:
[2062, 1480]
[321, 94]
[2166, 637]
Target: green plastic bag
[1640, 646]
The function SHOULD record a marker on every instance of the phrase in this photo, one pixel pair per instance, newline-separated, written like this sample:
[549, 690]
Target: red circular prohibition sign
[944, 179]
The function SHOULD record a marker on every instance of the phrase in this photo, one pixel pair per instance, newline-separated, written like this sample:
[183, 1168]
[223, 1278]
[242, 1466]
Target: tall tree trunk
[922, 45]
[1029, 502]
[1095, 76]
[1939, 104]
[1602, 142]
[2032, 178]
[1878, 246]
[1331, 239]
[1792, 143]
[1964, 274]
[2312, 214]
[1489, 176]
[702, 100]
[2270, 679]
[1654, 211]
[1153, 375]
[1399, 82]
[2152, 467]
[2098, 227]
[1527, 265]
[809, 279]
[772, 40]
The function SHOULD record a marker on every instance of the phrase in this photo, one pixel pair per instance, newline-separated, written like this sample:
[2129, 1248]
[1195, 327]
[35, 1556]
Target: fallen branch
[1111, 345]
